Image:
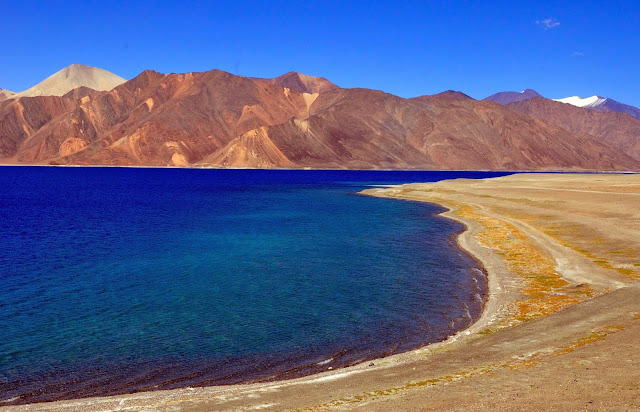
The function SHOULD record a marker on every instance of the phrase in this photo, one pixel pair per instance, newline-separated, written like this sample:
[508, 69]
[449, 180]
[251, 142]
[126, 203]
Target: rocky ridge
[216, 119]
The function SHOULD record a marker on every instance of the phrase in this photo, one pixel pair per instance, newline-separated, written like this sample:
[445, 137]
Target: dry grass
[603, 252]
[544, 290]
[524, 361]
[592, 337]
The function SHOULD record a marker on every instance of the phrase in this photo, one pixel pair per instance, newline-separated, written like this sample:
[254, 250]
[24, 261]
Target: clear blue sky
[406, 48]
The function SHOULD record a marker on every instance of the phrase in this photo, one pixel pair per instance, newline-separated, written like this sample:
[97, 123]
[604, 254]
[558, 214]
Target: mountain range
[616, 128]
[88, 116]
[593, 103]
[512, 97]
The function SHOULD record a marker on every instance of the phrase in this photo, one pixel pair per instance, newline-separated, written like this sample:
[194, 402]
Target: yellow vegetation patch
[544, 289]
[605, 253]
[523, 361]
[592, 337]
[528, 363]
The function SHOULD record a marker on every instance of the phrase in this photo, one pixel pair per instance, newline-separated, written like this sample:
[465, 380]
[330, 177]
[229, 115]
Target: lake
[115, 280]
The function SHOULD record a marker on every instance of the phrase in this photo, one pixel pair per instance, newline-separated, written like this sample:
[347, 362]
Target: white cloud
[549, 23]
[577, 54]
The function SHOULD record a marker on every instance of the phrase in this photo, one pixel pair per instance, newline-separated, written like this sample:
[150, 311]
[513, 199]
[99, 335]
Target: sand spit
[560, 329]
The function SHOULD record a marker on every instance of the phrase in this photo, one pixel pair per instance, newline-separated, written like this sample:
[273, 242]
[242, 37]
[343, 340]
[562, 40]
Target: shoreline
[307, 168]
[495, 273]
[403, 376]
[289, 374]
[486, 318]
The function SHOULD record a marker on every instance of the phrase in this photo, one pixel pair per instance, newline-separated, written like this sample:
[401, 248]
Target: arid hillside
[216, 119]
[359, 128]
[617, 129]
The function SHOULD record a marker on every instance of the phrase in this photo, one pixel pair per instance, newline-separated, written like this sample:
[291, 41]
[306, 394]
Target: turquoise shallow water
[120, 280]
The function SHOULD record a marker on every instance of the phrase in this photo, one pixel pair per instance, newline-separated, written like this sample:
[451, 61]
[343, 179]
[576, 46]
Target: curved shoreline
[467, 356]
[477, 308]
[495, 296]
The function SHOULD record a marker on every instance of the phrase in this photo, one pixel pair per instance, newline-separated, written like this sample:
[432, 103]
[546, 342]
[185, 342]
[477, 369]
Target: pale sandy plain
[560, 329]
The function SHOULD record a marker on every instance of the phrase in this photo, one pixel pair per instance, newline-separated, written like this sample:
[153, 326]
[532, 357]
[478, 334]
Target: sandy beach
[560, 328]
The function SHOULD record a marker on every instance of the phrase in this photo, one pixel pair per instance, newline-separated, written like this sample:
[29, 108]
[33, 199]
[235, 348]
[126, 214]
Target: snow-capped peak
[593, 101]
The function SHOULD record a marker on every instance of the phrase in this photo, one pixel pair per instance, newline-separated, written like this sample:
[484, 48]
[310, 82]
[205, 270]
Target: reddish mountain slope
[359, 128]
[21, 119]
[158, 119]
[218, 119]
[618, 129]
[303, 83]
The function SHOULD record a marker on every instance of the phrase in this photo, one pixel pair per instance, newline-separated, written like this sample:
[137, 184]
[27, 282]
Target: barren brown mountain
[217, 119]
[618, 129]
[6, 94]
[303, 83]
[20, 119]
[360, 128]
[154, 119]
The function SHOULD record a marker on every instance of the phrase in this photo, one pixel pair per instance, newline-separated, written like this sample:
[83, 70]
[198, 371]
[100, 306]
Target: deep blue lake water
[119, 280]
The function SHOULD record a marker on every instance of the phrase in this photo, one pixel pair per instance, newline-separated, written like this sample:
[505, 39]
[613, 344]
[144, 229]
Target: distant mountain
[593, 103]
[453, 94]
[71, 77]
[368, 129]
[587, 103]
[601, 104]
[511, 97]
[303, 83]
[216, 119]
[617, 129]
[6, 94]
